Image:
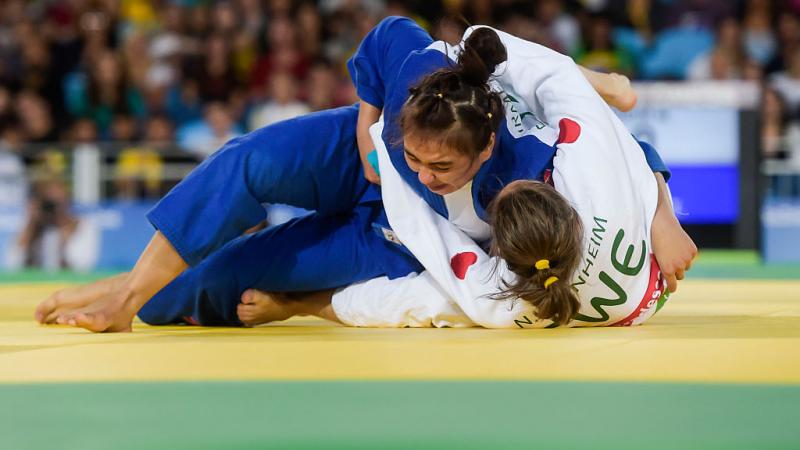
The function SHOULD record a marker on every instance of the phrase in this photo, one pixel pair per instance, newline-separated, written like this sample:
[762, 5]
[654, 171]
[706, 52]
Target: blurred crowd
[147, 74]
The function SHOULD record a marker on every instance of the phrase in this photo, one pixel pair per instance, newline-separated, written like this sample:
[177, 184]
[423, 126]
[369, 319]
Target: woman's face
[441, 169]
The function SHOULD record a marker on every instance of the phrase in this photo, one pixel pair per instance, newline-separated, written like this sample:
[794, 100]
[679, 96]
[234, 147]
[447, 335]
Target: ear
[484, 155]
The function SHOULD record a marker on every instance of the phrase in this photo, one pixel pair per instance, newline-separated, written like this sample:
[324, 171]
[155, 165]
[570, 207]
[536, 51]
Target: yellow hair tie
[489, 114]
[550, 281]
[439, 94]
[542, 264]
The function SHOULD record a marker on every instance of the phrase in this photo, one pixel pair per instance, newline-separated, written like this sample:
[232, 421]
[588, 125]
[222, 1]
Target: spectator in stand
[282, 55]
[53, 238]
[640, 15]
[83, 131]
[208, 135]
[321, 86]
[214, 70]
[283, 103]
[198, 23]
[787, 83]
[106, 92]
[759, 40]
[697, 13]
[788, 26]
[780, 132]
[35, 118]
[309, 30]
[38, 75]
[245, 55]
[184, 104]
[123, 129]
[224, 19]
[727, 60]
[252, 17]
[600, 53]
[13, 179]
[562, 30]
[449, 29]
[775, 119]
[139, 169]
[6, 106]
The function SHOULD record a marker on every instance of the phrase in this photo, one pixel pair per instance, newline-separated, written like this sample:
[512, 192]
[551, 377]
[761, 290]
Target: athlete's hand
[673, 248]
[369, 171]
[367, 115]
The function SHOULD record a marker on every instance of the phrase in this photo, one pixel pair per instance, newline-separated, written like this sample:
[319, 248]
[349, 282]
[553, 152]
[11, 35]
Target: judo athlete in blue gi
[310, 162]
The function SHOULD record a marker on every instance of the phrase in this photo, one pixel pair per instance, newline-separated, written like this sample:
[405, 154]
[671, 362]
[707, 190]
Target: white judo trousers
[598, 167]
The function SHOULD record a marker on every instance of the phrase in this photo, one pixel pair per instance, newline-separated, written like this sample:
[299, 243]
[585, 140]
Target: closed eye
[411, 156]
[440, 168]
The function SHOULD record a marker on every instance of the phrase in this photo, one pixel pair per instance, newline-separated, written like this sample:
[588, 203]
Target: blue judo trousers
[310, 162]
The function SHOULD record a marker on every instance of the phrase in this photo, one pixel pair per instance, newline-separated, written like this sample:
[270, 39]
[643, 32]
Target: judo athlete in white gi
[194, 231]
[598, 167]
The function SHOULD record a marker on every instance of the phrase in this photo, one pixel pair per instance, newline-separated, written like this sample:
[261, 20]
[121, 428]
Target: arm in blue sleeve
[654, 160]
[381, 54]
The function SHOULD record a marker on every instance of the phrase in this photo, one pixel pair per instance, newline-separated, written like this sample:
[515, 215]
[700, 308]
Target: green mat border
[398, 414]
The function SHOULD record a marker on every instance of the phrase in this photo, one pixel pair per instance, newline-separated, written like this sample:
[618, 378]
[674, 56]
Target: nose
[425, 176]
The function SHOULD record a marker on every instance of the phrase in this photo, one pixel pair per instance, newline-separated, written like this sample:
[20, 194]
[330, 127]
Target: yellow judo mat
[717, 367]
[710, 331]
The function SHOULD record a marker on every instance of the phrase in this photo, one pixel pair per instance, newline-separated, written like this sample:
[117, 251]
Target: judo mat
[717, 368]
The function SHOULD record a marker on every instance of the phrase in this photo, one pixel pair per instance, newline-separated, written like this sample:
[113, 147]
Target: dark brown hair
[532, 222]
[455, 106]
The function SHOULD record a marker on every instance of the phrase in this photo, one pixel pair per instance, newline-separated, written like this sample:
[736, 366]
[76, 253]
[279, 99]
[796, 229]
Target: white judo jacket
[598, 167]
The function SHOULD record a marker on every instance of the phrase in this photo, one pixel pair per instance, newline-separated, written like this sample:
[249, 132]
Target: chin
[444, 190]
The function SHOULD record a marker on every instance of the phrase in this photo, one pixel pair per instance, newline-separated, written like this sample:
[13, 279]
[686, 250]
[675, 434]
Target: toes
[46, 307]
[245, 315]
[249, 296]
[50, 318]
[245, 312]
[90, 321]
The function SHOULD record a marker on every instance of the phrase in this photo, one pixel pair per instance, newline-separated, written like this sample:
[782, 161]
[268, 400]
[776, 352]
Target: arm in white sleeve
[411, 301]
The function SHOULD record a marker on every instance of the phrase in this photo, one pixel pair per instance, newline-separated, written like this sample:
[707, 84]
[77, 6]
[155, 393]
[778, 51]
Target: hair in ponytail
[455, 105]
[539, 235]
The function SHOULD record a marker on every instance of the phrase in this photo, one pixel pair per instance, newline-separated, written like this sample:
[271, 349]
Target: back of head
[539, 235]
[455, 105]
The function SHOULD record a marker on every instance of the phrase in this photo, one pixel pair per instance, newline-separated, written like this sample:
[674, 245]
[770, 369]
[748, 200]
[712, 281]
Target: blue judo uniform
[312, 162]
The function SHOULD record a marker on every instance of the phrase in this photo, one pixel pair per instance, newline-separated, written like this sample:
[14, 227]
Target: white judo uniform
[598, 167]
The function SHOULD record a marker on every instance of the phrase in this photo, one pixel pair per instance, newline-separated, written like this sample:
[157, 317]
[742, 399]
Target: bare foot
[73, 298]
[110, 313]
[258, 307]
[620, 94]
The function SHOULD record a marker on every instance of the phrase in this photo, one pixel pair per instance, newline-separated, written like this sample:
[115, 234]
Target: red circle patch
[568, 131]
[461, 262]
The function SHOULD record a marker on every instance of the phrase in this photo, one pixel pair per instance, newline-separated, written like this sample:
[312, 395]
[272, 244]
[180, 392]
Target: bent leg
[310, 253]
[310, 162]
